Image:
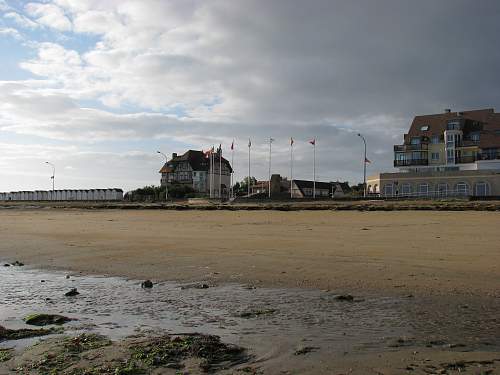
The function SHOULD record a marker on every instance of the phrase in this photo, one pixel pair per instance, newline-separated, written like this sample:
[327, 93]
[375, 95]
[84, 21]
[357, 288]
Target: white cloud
[21, 20]
[49, 15]
[8, 31]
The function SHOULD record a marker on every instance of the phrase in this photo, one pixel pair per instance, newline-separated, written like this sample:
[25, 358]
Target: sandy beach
[431, 277]
[399, 251]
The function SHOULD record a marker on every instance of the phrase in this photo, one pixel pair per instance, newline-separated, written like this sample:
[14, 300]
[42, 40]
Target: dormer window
[474, 137]
[424, 128]
[415, 140]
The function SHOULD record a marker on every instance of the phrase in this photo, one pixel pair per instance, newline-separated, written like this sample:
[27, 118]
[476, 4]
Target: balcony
[410, 162]
[410, 147]
[465, 159]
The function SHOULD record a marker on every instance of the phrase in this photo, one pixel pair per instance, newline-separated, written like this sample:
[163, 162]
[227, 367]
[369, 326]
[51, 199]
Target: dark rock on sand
[17, 334]
[6, 265]
[73, 292]
[345, 297]
[305, 350]
[46, 319]
[147, 284]
[18, 263]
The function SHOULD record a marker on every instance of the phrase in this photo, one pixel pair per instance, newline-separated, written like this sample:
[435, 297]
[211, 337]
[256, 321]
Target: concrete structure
[447, 154]
[193, 169]
[64, 195]
[435, 184]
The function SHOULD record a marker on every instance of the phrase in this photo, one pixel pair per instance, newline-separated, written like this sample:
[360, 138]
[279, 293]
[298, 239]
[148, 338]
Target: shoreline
[307, 205]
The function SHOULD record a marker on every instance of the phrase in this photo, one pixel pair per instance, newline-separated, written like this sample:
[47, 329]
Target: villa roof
[490, 121]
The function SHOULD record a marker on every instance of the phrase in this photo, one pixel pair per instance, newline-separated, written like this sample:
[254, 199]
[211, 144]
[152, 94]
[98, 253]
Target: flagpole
[270, 143]
[232, 169]
[314, 169]
[291, 167]
[220, 171]
[248, 182]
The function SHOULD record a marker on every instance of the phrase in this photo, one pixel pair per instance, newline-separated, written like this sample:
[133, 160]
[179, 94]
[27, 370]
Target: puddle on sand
[117, 307]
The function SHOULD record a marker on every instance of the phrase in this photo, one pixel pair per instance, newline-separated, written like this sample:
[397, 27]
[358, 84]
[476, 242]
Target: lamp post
[166, 179]
[364, 166]
[53, 178]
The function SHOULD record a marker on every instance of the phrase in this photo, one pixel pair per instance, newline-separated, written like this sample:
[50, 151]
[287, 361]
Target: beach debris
[147, 284]
[17, 334]
[46, 319]
[195, 286]
[6, 265]
[17, 263]
[73, 292]
[171, 350]
[345, 298]
[401, 341]
[6, 354]
[66, 353]
[305, 350]
[67, 276]
[256, 313]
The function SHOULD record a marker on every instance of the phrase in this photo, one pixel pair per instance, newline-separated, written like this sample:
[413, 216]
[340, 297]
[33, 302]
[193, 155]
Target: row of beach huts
[64, 195]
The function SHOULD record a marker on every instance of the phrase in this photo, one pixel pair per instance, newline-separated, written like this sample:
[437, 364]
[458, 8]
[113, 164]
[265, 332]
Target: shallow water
[119, 307]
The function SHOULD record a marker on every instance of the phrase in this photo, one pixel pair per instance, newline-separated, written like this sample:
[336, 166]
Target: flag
[367, 161]
[232, 145]
[249, 143]
[313, 141]
[291, 141]
[220, 148]
[271, 140]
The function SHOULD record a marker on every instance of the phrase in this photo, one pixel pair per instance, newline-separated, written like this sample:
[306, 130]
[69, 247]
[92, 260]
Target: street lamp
[53, 178]
[364, 166]
[166, 179]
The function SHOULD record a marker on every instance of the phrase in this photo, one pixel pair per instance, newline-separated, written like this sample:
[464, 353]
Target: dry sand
[398, 251]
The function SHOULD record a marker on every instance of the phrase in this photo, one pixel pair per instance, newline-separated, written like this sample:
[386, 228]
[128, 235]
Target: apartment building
[446, 154]
[194, 168]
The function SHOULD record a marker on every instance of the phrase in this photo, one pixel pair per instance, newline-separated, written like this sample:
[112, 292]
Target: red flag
[291, 141]
[313, 141]
[367, 161]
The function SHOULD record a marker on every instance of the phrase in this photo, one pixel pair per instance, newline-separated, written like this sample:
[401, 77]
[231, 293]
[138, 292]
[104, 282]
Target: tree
[243, 185]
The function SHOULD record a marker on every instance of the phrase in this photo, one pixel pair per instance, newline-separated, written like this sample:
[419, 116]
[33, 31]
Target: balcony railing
[488, 155]
[410, 147]
[465, 159]
[410, 162]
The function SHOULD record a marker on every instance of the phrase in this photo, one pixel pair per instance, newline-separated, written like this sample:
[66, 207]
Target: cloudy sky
[96, 87]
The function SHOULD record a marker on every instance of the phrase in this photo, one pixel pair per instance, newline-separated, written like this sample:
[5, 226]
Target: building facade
[446, 154]
[195, 169]
[64, 195]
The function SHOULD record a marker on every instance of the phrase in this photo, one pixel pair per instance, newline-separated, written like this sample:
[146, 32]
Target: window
[424, 128]
[423, 189]
[453, 125]
[435, 139]
[474, 137]
[435, 156]
[482, 189]
[406, 189]
[388, 190]
[462, 188]
[442, 189]
[415, 140]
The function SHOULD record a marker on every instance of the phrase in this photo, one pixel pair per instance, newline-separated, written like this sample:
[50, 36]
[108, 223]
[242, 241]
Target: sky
[97, 87]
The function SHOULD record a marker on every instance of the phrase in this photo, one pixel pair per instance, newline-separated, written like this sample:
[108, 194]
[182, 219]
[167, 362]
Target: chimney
[447, 110]
[174, 155]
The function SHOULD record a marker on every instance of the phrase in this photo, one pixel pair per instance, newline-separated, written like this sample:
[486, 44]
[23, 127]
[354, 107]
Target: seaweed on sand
[169, 351]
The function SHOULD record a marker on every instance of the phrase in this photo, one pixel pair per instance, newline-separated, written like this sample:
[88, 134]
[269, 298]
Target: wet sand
[426, 284]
